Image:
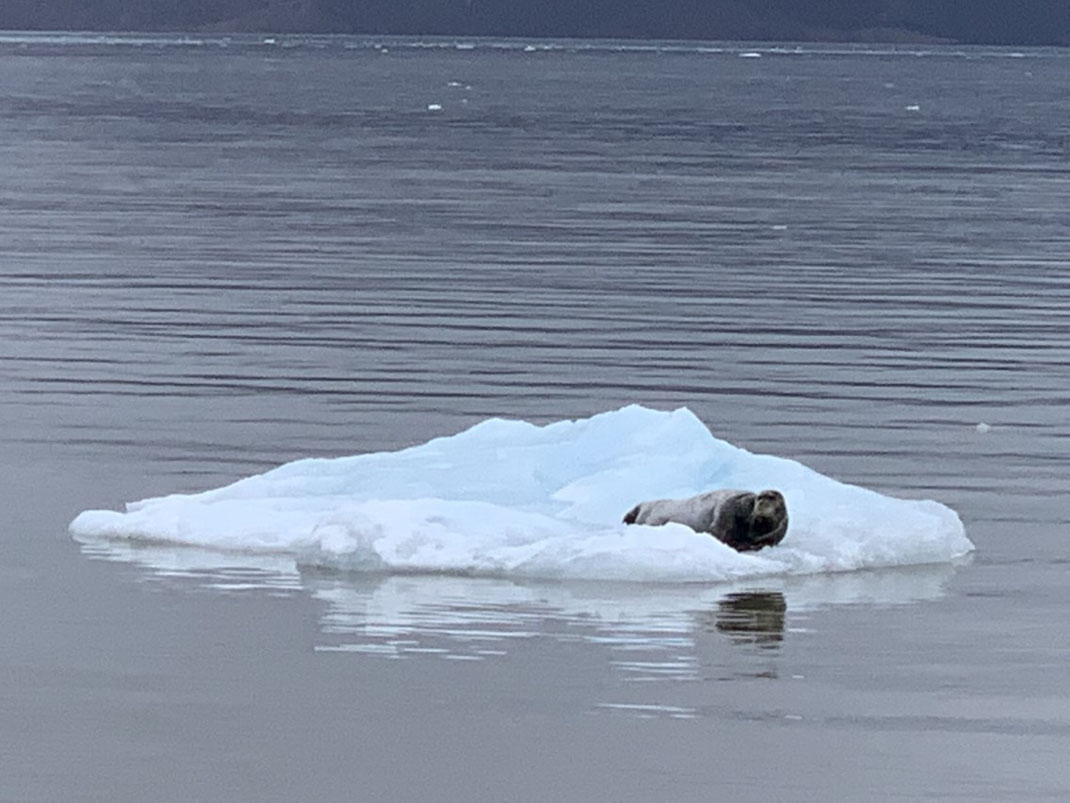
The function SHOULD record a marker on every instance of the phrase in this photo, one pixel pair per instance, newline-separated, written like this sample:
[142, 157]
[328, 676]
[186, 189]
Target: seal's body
[745, 521]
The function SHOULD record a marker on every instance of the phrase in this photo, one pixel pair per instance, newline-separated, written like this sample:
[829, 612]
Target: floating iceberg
[509, 498]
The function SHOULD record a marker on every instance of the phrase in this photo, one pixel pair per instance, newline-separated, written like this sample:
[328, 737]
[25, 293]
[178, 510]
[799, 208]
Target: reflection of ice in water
[405, 616]
[649, 633]
[650, 710]
[211, 570]
[646, 634]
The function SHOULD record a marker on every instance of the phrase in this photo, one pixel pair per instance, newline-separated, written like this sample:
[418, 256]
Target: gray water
[217, 255]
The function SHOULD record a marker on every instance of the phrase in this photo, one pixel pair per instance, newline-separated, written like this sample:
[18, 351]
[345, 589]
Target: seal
[745, 521]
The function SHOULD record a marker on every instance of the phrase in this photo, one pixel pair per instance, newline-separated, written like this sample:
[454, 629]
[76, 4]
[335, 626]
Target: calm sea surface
[218, 255]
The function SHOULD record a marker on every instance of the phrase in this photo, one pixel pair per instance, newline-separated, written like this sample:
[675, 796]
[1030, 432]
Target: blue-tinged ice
[509, 498]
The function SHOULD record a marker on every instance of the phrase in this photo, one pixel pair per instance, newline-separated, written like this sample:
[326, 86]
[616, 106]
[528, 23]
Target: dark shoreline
[1000, 22]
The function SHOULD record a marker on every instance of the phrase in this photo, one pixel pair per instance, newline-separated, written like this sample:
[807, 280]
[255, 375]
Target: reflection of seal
[743, 520]
[753, 617]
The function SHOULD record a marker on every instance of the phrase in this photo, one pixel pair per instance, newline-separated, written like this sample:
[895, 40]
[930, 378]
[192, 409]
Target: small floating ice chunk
[984, 428]
[530, 49]
[508, 498]
[434, 107]
[913, 108]
[454, 84]
[750, 54]
[270, 40]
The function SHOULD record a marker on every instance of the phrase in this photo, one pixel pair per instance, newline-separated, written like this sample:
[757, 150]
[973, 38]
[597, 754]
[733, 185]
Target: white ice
[508, 498]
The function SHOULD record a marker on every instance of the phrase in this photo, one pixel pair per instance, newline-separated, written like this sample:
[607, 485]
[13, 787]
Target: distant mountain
[1019, 22]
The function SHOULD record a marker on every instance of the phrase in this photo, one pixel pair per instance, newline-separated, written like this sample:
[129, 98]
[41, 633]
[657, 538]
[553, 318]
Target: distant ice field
[509, 498]
[526, 45]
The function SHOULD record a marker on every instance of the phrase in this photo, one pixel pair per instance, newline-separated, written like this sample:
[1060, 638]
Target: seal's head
[768, 522]
[769, 511]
